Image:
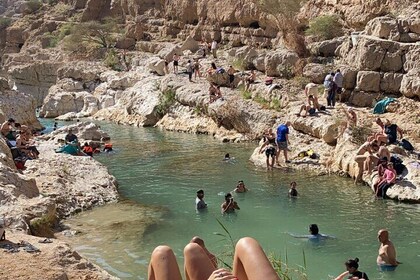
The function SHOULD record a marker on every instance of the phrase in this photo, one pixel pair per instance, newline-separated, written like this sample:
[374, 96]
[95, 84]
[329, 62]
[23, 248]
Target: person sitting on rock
[107, 145]
[7, 129]
[231, 72]
[212, 69]
[389, 135]
[250, 79]
[387, 180]
[70, 137]
[87, 149]
[240, 187]
[23, 144]
[23, 129]
[369, 147]
[214, 92]
[310, 108]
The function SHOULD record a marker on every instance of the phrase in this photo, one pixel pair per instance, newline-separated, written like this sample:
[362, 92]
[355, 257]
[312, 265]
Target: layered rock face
[17, 105]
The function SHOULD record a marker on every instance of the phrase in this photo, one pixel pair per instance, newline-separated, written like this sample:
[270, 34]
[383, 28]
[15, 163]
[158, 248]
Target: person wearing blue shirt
[282, 141]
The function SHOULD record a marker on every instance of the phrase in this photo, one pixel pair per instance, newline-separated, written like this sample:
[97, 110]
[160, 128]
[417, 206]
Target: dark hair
[11, 120]
[352, 263]
[86, 144]
[228, 196]
[227, 155]
[189, 60]
[293, 183]
[200, 192]
[18, 124]
[213, 65]
[313, 229]
[338, 70]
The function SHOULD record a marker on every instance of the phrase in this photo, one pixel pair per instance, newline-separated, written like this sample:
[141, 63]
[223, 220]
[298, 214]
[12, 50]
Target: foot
[287, 161]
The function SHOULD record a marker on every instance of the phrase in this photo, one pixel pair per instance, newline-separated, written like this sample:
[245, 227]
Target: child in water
[293, 191]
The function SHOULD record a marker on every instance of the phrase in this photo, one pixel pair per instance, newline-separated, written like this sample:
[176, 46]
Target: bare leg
[251, 263]
[382, 139]
[285, 154]
[163, 265]
[198, 265]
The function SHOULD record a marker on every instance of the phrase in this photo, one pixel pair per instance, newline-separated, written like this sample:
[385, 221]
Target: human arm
[235, 205]
[400, 132]
[342, 275]
[263, 146]
[387, 254]
[287, 138]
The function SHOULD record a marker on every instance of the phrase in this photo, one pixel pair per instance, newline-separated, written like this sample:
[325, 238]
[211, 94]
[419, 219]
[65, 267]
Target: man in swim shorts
[387, 255]
[283, 140]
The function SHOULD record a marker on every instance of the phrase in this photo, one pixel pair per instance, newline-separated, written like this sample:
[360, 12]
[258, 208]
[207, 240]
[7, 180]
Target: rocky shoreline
[34, 203]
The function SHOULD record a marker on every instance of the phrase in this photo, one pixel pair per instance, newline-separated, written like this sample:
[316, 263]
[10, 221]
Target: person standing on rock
[197, 67]
[190, 70]
[387, 255]
[338, 80]
[283, 141]
[331, 91]
[214, 48]
[270, 148]
[175, 58]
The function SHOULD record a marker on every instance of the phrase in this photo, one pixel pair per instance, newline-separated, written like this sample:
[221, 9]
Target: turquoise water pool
[163, 170]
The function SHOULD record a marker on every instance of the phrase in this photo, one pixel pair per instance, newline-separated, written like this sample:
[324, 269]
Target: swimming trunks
[386, 267]
[175, 62]
[270, 151]
[391, 132]
[231, 78]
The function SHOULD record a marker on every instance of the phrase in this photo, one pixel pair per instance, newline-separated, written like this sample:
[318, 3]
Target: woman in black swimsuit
[352, 271]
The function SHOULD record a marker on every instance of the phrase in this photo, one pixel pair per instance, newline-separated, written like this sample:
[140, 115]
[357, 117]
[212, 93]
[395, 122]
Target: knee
[246, 243]
[192, 249]
[161, 251]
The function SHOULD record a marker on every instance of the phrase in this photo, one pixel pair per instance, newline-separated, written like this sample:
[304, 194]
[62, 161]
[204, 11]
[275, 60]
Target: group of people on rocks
[72, 146]
[19, 139]
[333, 87]
[374, 155]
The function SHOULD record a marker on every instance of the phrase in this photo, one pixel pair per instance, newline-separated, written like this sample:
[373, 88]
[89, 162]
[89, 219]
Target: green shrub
[112, 61]
[32, 6]
[275, 104]
[262, 101]
[246, 94]
[52, 40]
[239, 64]
[325, 27]
[166, 100]
[5, 22]
[360, 134]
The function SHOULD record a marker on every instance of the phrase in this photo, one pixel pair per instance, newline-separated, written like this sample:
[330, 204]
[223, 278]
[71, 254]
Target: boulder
[391, 82]
[392, 61]
[409, 37]
[322, 127]
[134, 31]
[326, 48]
[167, 53]
[383, 27]
[410, 84]
[190, 44]
[67, 117]
[349, 77]
[364, 99]
[125, 43]
[412, 60]
[280, 63]
[368, 81]
[367, 54]
[316, 72]
[4, 84]
[221, 79]
[258, 62]
[156, 64]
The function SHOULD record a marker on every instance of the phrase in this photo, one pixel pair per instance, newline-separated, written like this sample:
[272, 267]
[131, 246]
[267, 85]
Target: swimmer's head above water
[313, 229]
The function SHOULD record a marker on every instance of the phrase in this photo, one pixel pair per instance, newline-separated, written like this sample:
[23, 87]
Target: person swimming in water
[240, 188]
[293, 191]
[314, 235]
[229, 206]
[352, 271]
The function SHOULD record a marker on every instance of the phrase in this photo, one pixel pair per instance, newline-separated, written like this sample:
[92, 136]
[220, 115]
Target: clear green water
[163, 170]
